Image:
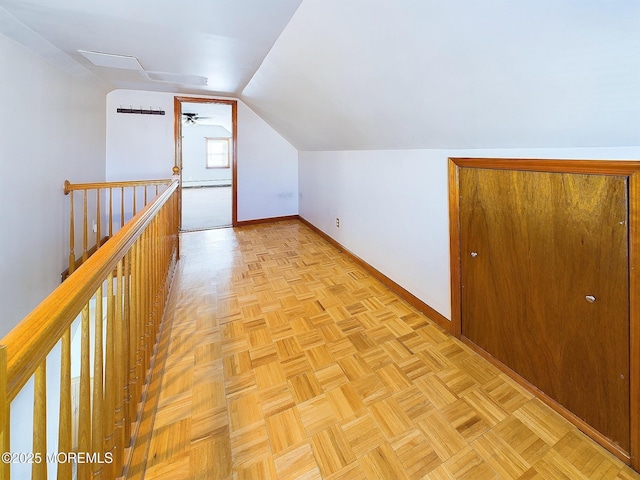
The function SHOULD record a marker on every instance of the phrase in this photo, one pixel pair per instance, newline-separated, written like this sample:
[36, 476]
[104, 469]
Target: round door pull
[590, 298]
[474, 254]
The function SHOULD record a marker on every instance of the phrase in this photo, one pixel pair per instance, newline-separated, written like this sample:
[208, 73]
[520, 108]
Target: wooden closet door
[545, 285]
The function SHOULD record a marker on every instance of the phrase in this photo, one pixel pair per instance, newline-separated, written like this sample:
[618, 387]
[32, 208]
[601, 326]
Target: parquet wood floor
[288, 361]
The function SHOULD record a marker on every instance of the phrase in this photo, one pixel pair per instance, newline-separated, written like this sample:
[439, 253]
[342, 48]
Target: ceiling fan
[192, 118]
[189, 118]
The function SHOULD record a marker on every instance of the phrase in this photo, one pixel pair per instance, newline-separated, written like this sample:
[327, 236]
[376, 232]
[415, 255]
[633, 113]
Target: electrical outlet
[337, 222]
[95, 227]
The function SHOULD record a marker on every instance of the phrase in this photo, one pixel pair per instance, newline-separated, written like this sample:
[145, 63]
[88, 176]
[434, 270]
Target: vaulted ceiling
[371, 74]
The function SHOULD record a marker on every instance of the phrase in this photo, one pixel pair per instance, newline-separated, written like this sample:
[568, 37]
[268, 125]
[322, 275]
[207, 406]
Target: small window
[217, 152]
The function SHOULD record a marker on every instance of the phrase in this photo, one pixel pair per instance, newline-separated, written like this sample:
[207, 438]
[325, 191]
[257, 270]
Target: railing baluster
[142, 310]
[149, 300]
[65, 421]
[136, 266]
[98, 188]
[72, 236]
[129, 414]
[156, 281]
[134, 346]
[135, 200]
[97, 433]
[85, 229]
[39, 469]
[110, 212]
[119, 370]
[109, 388]
[98, 220]
[84, 416]
[121, 207]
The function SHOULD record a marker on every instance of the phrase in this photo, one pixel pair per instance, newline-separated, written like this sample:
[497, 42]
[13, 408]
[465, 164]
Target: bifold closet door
[545, 285]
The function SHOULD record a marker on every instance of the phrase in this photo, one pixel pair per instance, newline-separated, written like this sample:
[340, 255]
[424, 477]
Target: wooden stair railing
[101, 209]
[100, 325]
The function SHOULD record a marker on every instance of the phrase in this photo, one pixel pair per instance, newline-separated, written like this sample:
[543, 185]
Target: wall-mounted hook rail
[141, 111]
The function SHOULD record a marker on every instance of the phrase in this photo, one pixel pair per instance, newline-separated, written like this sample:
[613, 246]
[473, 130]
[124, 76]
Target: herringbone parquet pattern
[288, 361]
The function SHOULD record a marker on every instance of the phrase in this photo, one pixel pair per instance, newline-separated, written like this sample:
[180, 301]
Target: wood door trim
[177, 132]
[634, 315]
[601, 167]
[630, 169]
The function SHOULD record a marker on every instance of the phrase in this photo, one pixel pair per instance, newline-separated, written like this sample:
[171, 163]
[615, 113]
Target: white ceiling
[381, 74]
[222, 40]
[374, 74]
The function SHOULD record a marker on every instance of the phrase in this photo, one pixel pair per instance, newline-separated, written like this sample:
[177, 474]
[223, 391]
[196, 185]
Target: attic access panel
[459, 255]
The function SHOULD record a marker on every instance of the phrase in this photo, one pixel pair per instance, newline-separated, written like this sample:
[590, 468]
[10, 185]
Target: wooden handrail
[90, 224]
[31, 340]
[4, 412]
[136, 265]
[69, 187]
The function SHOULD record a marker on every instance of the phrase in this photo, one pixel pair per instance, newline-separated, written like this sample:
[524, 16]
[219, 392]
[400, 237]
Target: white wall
[142, 146]
[139, 147]
[393, 207]
[194, 154]
[52, 128]
[267, 170]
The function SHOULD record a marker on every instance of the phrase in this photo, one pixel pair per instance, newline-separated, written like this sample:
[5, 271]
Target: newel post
[178, 211]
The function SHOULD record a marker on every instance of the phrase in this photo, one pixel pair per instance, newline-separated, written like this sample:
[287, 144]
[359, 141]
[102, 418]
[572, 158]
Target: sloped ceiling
[371, 74]
[382, 74]
[220, 41]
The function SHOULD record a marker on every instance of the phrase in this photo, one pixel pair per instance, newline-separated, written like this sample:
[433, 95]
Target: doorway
[205, 138]
[543, 282]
